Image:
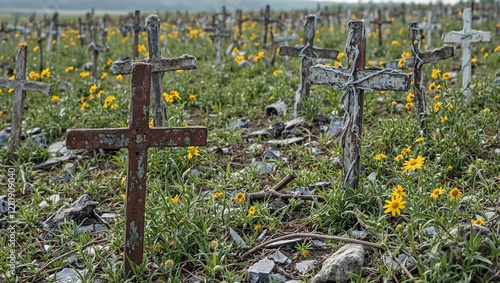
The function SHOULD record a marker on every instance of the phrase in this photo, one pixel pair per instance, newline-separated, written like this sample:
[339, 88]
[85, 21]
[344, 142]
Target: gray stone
[80, 211]
[34, 131]
[372, 177]
[4, 206]
[58, 148]
[237, 239]
[300, 191]
[280, 258]
[239, 124]
[335, 128]
[260, 167]
[286, 141]
[259, 133]
[67, 275]
[317, 243]
[336, 268]
[336, 161]
[276, 108]
[262, 236]
[305, 265]
[111, 215]
[276, 129]
[271, 154]
[278, 278]
[431, 231]
[358, 234]
[261, 271]
[39, 140]
[402, 258]
[244, 64]
[4, 137]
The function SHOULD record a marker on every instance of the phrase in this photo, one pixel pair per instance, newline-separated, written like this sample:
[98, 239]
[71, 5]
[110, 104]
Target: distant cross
[379, 22]
[277, 40]
[354, 79]
[429, 26]
[267, 21]
[307, 52]
[40, 37]
[104, 30]
[416, 62]
[137, 29]
[465, 37]
[240, 20]
[2, 36]
[219, 32]
[82, 27]
[96, 48]
[53, 31]
[137, 138]
[20, 86]
[160, 65]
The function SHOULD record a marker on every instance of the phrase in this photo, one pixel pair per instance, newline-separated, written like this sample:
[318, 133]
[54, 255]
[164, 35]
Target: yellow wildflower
[193, 151]
[240, 197]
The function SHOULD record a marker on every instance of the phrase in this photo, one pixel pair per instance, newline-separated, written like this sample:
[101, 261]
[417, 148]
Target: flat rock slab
[237, 239]
[279, 258]
[80, 211]
[261, 271]
[286, 141]
[336, 268]
[305, 265]
[67, 275]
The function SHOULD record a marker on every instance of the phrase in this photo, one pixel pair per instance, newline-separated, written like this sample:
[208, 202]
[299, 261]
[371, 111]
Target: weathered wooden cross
[220, 32]
[20, 86]
[465, 37]
[239, 23]
[137, 138]
[429, 26]
[40, 37]
[379, 22]
[307, 52]
[137, 27]
[96, 48]
[354, 80]
[266, 21]
[416, 62]
[160, 65]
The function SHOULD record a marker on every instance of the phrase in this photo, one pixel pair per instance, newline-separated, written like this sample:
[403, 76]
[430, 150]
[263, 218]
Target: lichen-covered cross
[137, 138]
[354, 79]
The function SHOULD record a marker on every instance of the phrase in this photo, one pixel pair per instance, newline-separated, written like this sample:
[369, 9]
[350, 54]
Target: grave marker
[266, 21]
[96, 48]
[355, 79]
[137, 138]
[429, 26]
[220, 32]
[416, 62]
[20, 86]
[240, 20]
[40, 37]
[379, 22]
[307, 52]
[465, 37]
[159, 64]
[137, 28]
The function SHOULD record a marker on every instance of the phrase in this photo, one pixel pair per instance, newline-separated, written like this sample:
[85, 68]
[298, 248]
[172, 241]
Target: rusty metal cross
[160, 65]
[307, 52]
[416, 62]
[137, 138]
[354, 79]
[20, 86]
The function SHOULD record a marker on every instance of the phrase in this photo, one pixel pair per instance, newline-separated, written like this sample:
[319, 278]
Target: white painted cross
[354, 80]
[429, 27]
[465, 37]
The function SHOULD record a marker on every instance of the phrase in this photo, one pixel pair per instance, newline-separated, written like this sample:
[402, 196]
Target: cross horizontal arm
[309, 52]
[472, 36]
[27, 85]
[180, 136]
[427, 57]
[98, 138]
[184, 62]
[374, 79]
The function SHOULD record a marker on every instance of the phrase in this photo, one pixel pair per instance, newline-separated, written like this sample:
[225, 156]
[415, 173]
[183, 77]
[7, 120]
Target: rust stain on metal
[137, 138]
[20, 86]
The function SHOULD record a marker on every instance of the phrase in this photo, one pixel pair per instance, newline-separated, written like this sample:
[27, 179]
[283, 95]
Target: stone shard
[336, 268]
[260, 272]
[80, 211]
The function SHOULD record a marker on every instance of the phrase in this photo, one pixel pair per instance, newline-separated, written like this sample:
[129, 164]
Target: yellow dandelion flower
[240, 197]
[192, 97]
[395, 205]
[277, 72]
[413, 164]
[84, 74]
[446, 76]
[238, 59]
[435, 73]
[394, 103]
[175, 199]
[398, 191]
[405, 151]
[340, 55]
[437, 106]
[398, 158]
[45, 73]
[401, 63]
[473, 60]
[92, 89]
[419, 139]
[479, 221]
[257, 227]
[455, 194]
[410, 97]
[409, 105]
[119, 78]
[216, 195]
[103, 75]
[380, 156]
[124, 196]
[437, 192]
[54, 98]
[192, 152]
[304, 253]
[251, 211]
[69, 69]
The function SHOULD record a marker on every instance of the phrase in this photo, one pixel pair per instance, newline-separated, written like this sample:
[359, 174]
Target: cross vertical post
[354, 79]
[160, 65]
[379, 22]
[21, 85]
[307, 52]
[137, 138]
[137, 28]
[96, 48]
[465, 37]
[39, 40]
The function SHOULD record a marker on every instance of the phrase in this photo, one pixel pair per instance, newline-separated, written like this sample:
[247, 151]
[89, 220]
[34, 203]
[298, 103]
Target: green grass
[187, 227]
